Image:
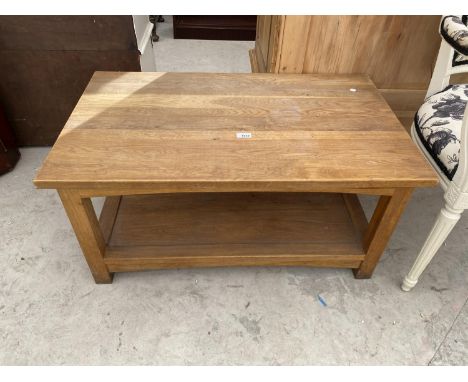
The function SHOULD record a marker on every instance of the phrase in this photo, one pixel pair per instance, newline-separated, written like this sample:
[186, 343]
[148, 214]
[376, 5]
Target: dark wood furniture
[203, 170]
[215, 27]
[47, 61]
[9, 153]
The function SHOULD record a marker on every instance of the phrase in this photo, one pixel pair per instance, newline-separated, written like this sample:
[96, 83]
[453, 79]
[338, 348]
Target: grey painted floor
[51, 312]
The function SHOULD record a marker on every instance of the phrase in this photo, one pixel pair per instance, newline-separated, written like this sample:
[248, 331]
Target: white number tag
[243, 135]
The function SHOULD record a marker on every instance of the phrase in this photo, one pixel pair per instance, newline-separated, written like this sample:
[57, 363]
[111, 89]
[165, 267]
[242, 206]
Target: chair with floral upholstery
[440, 130]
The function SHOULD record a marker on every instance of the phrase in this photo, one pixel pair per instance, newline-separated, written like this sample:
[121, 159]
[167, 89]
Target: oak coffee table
[204, 170]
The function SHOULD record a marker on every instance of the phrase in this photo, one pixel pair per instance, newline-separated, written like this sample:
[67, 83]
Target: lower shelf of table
[232, 229]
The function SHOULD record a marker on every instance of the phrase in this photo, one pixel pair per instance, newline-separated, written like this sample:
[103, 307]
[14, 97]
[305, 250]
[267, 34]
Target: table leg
[83, 219]
[380, 228]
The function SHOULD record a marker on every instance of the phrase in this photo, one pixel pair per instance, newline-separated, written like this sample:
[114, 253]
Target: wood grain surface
[218, 229]
[397, 52]
[380, 228]
[88, 232]
[147, 129]
[47, 61]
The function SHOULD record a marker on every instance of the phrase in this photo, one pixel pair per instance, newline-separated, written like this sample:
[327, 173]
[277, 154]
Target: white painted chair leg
[446, 220]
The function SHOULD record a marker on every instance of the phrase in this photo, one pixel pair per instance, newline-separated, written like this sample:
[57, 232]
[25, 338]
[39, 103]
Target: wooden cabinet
[47, 61]
[227, 27]
[397, 52]
[265, 55]
[9, 153]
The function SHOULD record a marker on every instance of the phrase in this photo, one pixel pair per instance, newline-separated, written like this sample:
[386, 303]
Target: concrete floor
[199, 55]
[51, 312]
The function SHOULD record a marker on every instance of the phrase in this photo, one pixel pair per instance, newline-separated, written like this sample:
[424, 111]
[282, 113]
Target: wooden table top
[308, 133]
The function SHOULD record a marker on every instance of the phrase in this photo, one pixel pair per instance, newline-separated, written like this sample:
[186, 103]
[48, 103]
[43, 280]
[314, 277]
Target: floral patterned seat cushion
[455, 32]
[438, 124]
